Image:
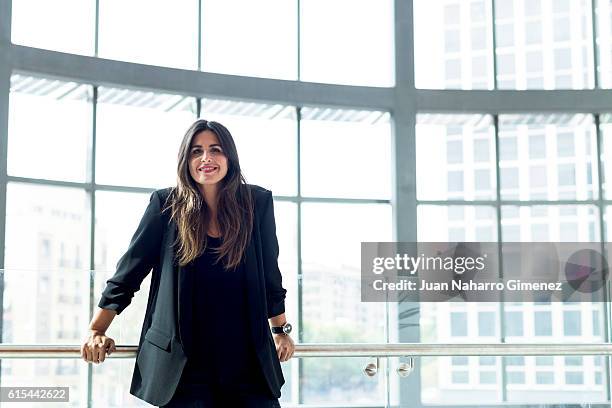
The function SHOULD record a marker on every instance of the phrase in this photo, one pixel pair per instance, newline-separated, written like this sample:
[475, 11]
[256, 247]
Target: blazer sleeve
[275, 293]
[141, 255]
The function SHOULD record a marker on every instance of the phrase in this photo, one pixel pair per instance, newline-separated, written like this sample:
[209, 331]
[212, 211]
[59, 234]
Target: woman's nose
[205, 156]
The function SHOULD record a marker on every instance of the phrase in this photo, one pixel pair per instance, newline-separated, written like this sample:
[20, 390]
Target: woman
[214, 330]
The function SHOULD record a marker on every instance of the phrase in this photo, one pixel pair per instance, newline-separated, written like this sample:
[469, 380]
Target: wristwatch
[284, 329]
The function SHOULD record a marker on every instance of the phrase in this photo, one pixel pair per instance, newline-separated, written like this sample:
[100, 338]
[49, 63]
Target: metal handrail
[348, 350]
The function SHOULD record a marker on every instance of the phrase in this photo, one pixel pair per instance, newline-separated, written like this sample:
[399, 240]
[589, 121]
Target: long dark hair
[190, 212]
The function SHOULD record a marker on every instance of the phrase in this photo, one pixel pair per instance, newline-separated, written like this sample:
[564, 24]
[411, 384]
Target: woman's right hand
[95, 347]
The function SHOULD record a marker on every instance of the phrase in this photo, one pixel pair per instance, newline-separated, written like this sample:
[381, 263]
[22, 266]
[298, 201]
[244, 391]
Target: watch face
[287, 328]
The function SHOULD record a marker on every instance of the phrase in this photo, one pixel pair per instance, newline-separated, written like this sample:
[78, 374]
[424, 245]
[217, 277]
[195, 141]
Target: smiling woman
[211, 243]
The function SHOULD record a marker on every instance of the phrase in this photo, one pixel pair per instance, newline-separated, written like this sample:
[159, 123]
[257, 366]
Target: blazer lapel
[184, 291]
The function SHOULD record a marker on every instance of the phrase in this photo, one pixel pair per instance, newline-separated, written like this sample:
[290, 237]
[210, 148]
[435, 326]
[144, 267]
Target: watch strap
[284, 329]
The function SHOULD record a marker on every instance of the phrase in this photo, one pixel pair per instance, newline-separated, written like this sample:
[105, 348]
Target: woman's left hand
[284, 346]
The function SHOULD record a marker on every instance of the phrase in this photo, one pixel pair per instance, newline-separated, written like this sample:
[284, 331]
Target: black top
[223, 351]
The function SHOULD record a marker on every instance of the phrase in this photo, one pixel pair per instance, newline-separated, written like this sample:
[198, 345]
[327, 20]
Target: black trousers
[205, 396]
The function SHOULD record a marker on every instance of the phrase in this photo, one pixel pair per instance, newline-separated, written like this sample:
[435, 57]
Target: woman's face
[207, 161]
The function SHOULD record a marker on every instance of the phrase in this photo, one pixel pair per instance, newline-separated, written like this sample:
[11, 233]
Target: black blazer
[161, 358]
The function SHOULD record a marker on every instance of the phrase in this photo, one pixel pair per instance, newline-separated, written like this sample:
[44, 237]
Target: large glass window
[456, 223]
[554, 223]
[539, 44]
[544, 44]
[59, 25]
[453, 44]
[352, 51]
[156, 33]
[547, 157]
[49, 128]
[260, 40]
[46, 256]
[541, 157]
[345, 153]
[459, 152]
[603, 9]
[138, 135]
[48, 222]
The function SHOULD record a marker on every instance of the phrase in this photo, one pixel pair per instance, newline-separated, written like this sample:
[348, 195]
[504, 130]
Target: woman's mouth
[208, 169]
